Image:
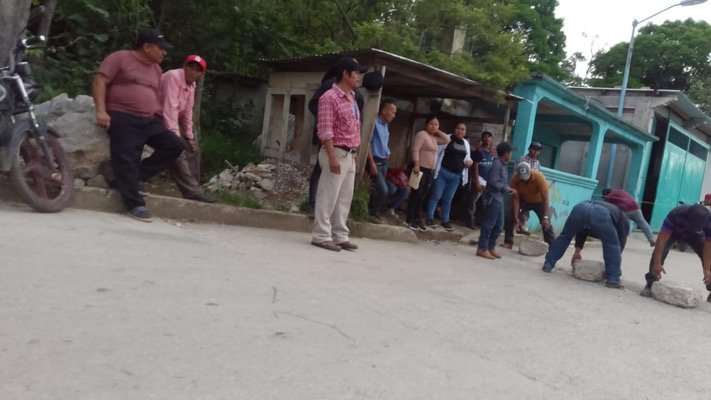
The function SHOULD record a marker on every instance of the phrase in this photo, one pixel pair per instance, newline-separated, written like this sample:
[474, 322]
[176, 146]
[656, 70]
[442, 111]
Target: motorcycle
[37, 166]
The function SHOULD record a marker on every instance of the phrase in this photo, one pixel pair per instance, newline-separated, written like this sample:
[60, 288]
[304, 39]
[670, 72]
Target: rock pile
[254, 178]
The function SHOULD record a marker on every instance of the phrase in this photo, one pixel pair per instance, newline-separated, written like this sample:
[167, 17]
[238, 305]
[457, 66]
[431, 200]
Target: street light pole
[626, 74]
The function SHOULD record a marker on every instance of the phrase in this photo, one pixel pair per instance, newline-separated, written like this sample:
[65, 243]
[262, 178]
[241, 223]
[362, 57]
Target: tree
[667, 56]
[13, 19]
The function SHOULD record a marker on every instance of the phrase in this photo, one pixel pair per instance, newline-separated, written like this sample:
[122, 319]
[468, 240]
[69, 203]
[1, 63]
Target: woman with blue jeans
[453, 162]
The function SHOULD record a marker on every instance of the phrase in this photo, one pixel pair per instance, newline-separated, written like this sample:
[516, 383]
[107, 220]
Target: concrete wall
[573, 156]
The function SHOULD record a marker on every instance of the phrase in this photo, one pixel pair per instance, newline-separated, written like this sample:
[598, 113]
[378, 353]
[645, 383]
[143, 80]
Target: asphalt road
[98, 306]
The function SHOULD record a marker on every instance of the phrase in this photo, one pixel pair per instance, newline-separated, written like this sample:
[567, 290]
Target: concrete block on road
[531, 247]
[588, 270]
[676, 294]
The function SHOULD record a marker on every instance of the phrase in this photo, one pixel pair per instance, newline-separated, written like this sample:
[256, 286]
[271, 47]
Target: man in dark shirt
[598, 219]
[690, 224]
[482, 158]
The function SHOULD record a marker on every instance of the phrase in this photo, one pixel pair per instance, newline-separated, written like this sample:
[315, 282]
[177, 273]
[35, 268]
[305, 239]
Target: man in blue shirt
[378, 155]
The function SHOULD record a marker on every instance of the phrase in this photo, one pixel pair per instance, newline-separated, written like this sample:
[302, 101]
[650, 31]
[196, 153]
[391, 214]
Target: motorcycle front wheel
[46, 188]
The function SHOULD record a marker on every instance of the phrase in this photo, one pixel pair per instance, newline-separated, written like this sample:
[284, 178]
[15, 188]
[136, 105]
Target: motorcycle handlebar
[27, 43]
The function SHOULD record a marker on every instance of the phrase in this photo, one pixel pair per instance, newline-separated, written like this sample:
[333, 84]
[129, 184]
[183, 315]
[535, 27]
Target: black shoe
[430, 223]
[413, 226]
[202, 198]
[614, 285]
[472, 227]
[447, 226]
[547, 268]
[140, 213]
[376, 219]
[421, 227]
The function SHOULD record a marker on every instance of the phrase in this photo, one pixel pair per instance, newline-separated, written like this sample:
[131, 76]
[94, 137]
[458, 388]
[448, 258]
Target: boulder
[531, 247]
[79, 182]
[253, 177]
[676, 294]
[587, 270]
[267, 184]
[85, 143]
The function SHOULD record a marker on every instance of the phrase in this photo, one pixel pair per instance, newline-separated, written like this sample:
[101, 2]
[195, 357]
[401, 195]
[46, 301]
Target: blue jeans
[443, 188]
[598, 221]
[400, 193]
[380, 187]
[493, 223]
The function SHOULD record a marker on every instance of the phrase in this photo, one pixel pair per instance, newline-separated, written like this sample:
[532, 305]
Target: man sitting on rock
[126, 90]
[629, 205]
[531, 195]
[598, 219]
[177, 97]
[686, 223]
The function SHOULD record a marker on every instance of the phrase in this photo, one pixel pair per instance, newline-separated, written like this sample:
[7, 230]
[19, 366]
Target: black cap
[535, 145]
[373, 80]
[153, 36]
[503, 148]
[348, 64]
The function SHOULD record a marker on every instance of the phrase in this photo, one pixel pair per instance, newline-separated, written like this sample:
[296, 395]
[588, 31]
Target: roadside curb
[107, 200]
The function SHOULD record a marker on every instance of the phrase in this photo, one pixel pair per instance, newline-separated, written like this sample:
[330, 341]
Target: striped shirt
[338, 118]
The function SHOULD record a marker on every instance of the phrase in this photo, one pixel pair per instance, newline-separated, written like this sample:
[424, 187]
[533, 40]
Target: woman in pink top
[424, 154]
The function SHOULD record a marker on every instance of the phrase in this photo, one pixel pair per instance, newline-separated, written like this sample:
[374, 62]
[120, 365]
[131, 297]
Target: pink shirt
[176, 99]
[622, 199]
[133, 84]
[338, 118]
[424, 149]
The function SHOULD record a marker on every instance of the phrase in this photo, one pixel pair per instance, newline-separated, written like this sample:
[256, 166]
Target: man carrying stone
[378, 155]
[531, 158]
[531, 194]
[629, 205]
[177, 97]
[126, 91]
[339, 132]
[687, 223]
[482, 158]
[598, 219]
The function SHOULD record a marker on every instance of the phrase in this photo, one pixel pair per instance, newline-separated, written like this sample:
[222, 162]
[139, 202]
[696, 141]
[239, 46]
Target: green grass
[239, 200]
[216, 147]
[359, 205]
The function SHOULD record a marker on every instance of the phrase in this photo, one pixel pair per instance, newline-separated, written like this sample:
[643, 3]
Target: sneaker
[142, 189]
[421, 227]
[447, 226]
[614, 285]
[430, 223]
[646, 292]
[652, 243]
[547, 268]
[201, 198]
[391, 213]
[140, 213]
[376, 219]
[413, 225]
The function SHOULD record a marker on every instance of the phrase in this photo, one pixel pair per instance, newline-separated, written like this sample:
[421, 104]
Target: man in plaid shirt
[339, 132]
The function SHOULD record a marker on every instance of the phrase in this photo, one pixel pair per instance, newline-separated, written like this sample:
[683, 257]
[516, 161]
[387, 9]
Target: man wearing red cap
[126, 90]
[177, 97]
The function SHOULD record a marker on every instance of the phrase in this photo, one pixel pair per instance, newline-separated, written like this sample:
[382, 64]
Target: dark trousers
[696, 243]
[470, 199]
[417, 197]
[186, 172]
[538, 208]
[313, 184]
[128, 134]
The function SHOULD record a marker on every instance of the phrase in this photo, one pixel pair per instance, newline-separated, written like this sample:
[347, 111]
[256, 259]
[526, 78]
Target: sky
[608, 22]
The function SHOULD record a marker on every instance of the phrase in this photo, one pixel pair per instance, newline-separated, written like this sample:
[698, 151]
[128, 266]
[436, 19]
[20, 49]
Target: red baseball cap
[708, 196]
[197, 59]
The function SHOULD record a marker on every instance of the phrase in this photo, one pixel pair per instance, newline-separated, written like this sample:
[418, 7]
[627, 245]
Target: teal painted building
[554, 115]
[679, 167]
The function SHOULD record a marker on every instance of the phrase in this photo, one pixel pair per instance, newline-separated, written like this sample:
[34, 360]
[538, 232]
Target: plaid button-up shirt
[338, 118]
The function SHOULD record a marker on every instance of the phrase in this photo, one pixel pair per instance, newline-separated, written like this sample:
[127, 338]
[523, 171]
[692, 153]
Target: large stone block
[587, 270]
[531, 247]
[676, 294]
[86, 144]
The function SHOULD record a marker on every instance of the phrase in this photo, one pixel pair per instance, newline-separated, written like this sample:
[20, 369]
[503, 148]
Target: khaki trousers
[333, 198]
[185, 171]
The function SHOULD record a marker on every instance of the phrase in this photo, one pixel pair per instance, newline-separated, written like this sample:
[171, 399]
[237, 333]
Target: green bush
[359, 205]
